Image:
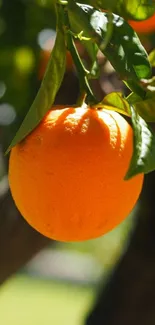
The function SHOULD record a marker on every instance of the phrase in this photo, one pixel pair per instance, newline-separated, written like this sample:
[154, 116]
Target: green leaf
[48, 89]
[152, 58]
[135, 9]
[107, 4]
[123, 49]
[116, 101]
[145, 107]
[129, 9]
[133, 98]
[143, 158]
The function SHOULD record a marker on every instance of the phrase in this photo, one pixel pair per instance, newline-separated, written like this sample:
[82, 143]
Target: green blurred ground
[31, 301]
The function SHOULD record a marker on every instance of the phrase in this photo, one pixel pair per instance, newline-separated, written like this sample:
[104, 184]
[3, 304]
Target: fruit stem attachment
[81, 99]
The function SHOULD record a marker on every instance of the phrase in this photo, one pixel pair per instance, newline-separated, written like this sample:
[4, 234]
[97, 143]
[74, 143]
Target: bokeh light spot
[7, 114]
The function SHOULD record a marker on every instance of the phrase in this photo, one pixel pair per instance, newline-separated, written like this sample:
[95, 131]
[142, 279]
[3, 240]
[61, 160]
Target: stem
[82, 71]
[81, 99]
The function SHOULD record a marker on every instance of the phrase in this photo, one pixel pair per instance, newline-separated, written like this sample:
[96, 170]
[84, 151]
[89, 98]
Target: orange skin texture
[144, 26]
[66, 177]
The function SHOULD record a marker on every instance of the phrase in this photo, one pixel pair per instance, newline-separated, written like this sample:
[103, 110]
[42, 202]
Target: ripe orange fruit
[144, 26]
[66, 177]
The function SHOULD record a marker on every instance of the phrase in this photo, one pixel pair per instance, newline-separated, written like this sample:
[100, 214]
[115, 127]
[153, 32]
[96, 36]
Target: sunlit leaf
[123, 49]
[116, 101]
[143, 159]
[152, 58]
[129, 9]
[135, 9]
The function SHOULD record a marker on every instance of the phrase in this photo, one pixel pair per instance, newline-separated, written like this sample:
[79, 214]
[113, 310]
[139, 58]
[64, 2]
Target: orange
[144, 26]
[66, 177]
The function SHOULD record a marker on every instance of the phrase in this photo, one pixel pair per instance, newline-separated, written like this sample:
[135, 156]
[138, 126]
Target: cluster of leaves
[110, 33]
[129, 9]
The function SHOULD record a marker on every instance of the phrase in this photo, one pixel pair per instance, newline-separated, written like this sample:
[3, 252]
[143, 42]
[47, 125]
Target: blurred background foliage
[59, 285]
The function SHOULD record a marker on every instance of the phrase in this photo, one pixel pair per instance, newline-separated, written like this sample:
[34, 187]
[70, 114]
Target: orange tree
[98, 25]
